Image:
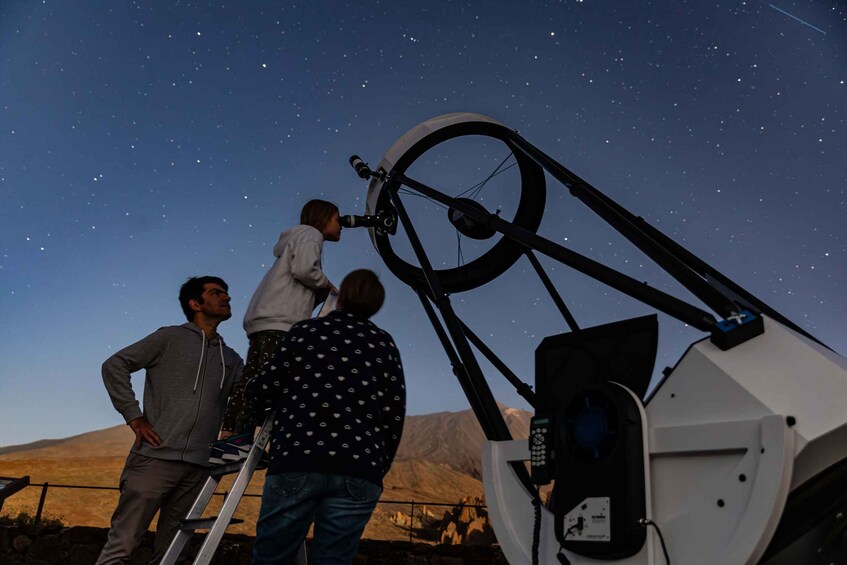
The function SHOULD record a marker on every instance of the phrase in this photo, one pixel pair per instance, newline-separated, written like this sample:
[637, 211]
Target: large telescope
[738, 456]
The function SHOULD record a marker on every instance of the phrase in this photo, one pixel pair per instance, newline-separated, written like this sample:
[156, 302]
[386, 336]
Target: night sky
[145, 142]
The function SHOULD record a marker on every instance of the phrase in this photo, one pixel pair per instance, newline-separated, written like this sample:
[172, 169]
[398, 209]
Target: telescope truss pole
[551, 290]
[659, 300]
[591, 197]
[465, 366]
[520, 387]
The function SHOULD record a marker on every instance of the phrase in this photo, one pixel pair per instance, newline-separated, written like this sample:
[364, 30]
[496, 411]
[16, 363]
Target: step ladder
[217, 525]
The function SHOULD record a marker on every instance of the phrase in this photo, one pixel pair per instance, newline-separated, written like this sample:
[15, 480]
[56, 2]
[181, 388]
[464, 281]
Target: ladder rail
[222, 521]
[181, 538]
[239, 486]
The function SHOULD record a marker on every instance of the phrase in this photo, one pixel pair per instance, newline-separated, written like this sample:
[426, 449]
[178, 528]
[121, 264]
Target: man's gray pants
[149, 485]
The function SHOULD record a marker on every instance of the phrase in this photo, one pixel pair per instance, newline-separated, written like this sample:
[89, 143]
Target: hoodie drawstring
[200, 364]
[223, 364]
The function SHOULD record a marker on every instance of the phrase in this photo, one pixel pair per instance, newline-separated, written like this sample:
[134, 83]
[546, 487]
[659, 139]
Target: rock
[46, 550]
[15, 559]
[446, 560]
[58, 549]
[21, 543]
[467, 523]
[5, 540]
[400, 519]
[450, 534]
[31, 530]
[480, 533]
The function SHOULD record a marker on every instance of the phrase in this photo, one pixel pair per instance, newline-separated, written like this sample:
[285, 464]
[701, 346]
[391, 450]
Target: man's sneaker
[233, 448]
[215, 455]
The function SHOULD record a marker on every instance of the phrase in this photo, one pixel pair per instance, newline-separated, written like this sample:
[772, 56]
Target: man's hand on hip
[144, 432]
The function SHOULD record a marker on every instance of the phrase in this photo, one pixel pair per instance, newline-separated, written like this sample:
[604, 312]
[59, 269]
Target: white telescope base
[697, 528]
[730, 434]
[513, 514]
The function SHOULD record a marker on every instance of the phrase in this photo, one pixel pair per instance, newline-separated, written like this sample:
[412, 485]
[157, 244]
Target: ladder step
[235, 466]
[226, 468]
[203, 523]
[217, 525]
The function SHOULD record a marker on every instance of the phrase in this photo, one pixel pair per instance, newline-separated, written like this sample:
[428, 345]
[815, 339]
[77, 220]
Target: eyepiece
[382, 222]
[360, 167]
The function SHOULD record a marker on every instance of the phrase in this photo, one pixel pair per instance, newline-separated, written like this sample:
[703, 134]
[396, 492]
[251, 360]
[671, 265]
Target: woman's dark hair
[361, 293]
[317, 213]
[192, 289]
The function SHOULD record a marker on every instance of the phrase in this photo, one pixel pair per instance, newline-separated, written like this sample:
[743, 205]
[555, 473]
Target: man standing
[337, 386]
[190, 372]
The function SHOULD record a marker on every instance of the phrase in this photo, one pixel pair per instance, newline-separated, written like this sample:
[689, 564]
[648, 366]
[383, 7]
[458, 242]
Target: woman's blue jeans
[340, 507]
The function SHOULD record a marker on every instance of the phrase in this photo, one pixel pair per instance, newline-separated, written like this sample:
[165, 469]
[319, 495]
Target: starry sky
[145, 142]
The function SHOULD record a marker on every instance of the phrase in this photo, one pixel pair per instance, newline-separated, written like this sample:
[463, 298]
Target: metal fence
[411, 503]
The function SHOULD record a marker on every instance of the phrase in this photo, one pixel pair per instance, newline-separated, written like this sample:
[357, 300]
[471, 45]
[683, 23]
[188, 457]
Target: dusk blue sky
[145, 142]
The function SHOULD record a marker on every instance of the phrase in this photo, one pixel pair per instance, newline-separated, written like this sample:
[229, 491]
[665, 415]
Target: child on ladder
[288, 293]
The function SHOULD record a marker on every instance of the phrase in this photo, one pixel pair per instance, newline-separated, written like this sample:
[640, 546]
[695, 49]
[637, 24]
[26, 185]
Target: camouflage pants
[263, 345]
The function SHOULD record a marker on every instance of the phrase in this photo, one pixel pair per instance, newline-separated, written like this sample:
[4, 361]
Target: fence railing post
[411, 520]
[41, 504]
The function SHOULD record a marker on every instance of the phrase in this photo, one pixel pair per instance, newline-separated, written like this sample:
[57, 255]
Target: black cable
[563, 559]
[481, 185]
[427, 198]
[478, 186]
[474, 190]
[536, 529]
[648, 522]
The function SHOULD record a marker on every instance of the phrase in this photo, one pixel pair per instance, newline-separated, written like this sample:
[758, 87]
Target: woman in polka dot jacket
[337, 386]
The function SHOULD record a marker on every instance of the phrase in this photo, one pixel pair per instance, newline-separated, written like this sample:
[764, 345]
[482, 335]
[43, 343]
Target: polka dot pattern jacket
[337, 386]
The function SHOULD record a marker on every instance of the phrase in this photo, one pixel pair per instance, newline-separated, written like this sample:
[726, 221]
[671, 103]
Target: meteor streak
[796, 18]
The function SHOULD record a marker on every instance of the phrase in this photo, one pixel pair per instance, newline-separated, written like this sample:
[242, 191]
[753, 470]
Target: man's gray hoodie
[188, 381]
[286, 294]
